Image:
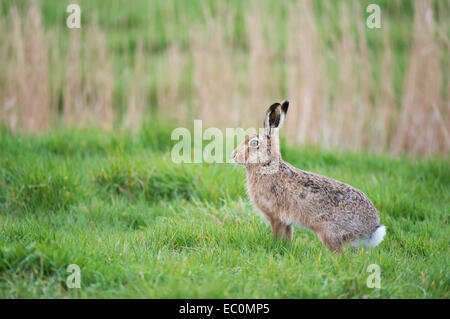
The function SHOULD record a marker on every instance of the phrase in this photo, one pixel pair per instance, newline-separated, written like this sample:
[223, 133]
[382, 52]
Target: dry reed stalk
[258, 78]
[345, 112]
[99, 78]
[305, 76]
[56, 73]
[8, 115]
[170, 72]
[89, 80]
[74, 97]
[444, 43]
[28, 97]
[385, 108]
[137, 96]
[421, 130]
[214, 79]
[365, 110]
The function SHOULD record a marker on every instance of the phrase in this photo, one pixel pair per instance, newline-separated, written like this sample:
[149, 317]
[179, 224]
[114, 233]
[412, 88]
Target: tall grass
[351, 87]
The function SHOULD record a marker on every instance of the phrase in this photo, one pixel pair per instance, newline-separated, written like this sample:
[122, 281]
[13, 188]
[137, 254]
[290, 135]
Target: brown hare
[338, 213]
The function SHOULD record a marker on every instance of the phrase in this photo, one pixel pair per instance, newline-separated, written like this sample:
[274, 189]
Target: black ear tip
[285, 105]
[273, 107]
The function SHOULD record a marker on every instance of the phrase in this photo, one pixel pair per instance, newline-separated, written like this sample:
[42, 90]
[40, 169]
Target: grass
[140, 226]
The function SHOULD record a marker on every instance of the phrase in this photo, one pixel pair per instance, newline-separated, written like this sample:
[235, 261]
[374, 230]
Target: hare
[338, 213]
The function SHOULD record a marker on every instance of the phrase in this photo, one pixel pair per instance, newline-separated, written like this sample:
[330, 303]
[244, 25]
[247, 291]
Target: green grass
[140, 226]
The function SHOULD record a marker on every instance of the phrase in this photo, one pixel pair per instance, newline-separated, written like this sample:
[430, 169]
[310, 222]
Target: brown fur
[338, 213]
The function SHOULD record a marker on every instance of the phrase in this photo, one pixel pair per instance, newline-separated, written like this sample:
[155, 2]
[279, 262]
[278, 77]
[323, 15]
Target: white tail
[376, 238]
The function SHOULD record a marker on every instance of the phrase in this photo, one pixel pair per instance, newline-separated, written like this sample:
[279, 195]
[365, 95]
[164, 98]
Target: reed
[349, 86]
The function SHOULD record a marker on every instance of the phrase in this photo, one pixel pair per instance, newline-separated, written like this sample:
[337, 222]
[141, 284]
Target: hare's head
[264, 147]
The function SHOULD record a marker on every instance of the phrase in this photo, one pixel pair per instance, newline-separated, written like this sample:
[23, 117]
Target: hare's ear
[275, 116]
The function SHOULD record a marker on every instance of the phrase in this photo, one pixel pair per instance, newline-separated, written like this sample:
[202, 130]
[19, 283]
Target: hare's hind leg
[281, 230]
[328, 239]
[288, 233]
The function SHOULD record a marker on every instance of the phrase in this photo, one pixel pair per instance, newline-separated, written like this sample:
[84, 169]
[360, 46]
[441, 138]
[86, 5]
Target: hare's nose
[233, 155]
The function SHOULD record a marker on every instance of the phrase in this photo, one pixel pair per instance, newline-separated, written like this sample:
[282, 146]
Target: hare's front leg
[281, 230]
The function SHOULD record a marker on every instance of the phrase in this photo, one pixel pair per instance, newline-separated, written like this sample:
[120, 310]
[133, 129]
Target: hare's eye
[254, 143]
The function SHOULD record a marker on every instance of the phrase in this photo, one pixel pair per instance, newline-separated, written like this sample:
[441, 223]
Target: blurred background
[350, 87]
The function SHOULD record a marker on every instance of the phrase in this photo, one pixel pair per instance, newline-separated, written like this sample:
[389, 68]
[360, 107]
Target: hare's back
[325, 193]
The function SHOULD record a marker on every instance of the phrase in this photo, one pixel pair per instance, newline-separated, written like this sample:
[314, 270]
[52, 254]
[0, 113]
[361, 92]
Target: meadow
[141, 226]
